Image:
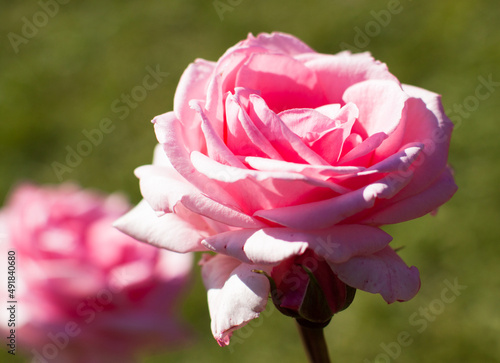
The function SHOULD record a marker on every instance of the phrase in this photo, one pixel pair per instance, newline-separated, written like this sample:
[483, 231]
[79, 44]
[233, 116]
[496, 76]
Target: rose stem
[314, 343]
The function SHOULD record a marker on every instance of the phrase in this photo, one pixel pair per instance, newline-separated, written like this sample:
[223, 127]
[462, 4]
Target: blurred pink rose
[85, 291]
[275, 150]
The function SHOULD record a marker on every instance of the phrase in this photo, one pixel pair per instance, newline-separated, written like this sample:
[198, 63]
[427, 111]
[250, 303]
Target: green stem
[314, 342]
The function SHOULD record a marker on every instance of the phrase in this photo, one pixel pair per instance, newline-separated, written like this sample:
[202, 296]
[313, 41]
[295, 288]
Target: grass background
[67, 76]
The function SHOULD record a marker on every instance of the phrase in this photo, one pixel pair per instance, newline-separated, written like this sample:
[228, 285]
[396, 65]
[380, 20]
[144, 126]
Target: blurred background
[85, 61]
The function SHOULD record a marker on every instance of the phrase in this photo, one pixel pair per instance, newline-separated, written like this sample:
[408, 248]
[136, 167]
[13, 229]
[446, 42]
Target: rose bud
[305, 287]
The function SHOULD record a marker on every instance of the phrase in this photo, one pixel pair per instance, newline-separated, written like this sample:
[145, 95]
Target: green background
[67, 76]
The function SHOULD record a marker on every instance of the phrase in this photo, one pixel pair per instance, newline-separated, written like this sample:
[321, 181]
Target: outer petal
[418, 205]
[328, 212]
[338, 72]
[261, 246]
[192, 85]
[381, 104]
[216, 148]
[255, 190]
[270, 246]
[399, 165]
[236, 295]
[283, 82]
[165, 191]
[427, 123]
[220, 206]
[383, 272]
[277, 42]
[343, 242]
[168, 231]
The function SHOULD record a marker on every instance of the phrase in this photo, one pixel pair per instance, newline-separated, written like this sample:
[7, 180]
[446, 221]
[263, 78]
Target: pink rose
[276, 150]
[86, 292]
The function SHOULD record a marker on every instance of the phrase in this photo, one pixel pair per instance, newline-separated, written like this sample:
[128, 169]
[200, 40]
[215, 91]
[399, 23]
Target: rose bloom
[86, 292]
[277, 156]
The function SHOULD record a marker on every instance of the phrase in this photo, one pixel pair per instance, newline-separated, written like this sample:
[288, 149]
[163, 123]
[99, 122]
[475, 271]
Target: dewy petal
[383, 272]
[338, 72]
[236, 294]
[192, 85]
[266, 246]
[168, 231]
[418, 205]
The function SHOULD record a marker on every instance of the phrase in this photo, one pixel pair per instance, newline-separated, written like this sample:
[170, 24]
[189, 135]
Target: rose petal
[270, 246]
[289, 145]
[366, 147]
[277, 42]
[329, 110]
[397, 211]
[324, 135]
[168, 231]
[164, 192]
[340, 243]
[328, 174]
[338, 72]
[283, 82]
[305, 121]
[223, 81]
[306, 169]
[256, 190]
[216, 148]
[427, 123]
[383, 272]
[192, 85]
[399, 165]
[381, 104]
[263, 246]
[328, 212]
[243, 137]
[399, 161]
[236, 295]
[170, 135]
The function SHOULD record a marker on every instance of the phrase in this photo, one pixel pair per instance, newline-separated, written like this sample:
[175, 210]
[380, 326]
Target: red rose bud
[305, 288]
